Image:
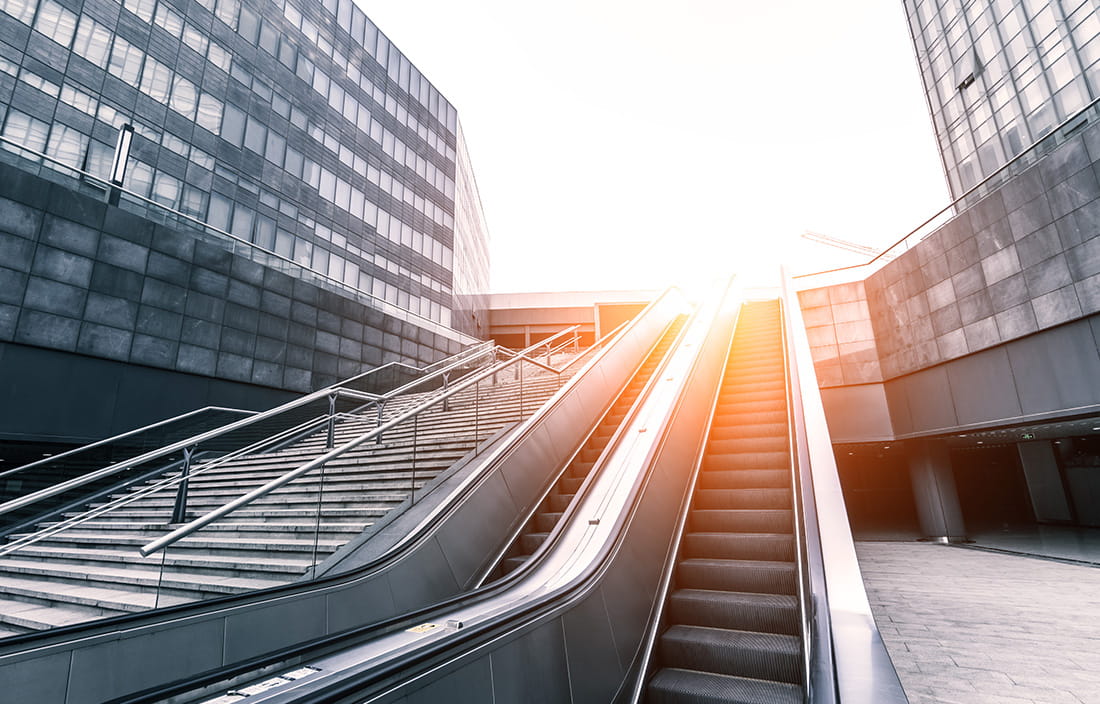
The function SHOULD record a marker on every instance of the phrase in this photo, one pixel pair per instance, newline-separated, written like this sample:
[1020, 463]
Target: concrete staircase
[94, 570]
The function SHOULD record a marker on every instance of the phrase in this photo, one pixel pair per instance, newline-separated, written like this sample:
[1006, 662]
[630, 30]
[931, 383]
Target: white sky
[637, 144]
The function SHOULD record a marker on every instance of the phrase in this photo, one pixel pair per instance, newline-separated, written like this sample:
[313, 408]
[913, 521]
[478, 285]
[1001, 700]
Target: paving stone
[975, 627]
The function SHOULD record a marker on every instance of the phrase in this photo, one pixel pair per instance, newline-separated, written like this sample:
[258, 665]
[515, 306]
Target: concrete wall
[95, 282]
[1024, 258]
[991, 319]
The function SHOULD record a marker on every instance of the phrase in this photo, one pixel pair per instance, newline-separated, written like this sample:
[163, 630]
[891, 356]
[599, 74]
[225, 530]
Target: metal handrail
[861, 667]
[378, 303]
[816, 634]
[48, 492]
[1047, 142]
[156, 487]
[293, 474]
[120, 436]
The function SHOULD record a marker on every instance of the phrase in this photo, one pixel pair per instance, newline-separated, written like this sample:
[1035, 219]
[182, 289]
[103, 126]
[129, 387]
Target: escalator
[693, 570]
[549, 512]
[733, 613]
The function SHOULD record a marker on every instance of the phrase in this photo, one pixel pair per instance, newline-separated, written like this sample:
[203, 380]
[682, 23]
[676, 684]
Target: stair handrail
[155, 487]
[338, 388]
[121, 436]
[291, 475]
[861, 671]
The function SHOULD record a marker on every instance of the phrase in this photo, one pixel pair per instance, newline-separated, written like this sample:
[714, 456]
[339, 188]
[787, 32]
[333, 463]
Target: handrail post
[519, 372]
[576, 341]
[412, 483]
[381, 405]
[446, 399]
[179, 510]
[331, 440]
[477, 412]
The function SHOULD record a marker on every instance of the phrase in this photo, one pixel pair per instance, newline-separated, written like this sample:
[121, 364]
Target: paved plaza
[966, 626]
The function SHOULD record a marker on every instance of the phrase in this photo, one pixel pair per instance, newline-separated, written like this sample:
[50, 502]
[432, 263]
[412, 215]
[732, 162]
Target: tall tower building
[296, 203]
[1000, 75]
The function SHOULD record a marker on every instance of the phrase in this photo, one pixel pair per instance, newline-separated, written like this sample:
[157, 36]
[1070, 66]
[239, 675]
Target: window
[293, 163]
[98, 159]
[219, 56]
[67, 145]
[79, 100]
[303, 251]
[226, 11]
[139, 178]
[269, 39]
[194, 39]
[93, 42]
[233, 121]
[287, 53]
[242, 223]
[141, 8]
[220, 210]
[25, 131]
[55, 22]
[169, 20]
[264, 232]
[209, 113]
[193, 202]
[284, 242]
[33, 79]
[184, 97]
[249, 25]
[156, 80]
[22, 10]
[275, 147]
[255, 135]
[125, 61]
[166, 190]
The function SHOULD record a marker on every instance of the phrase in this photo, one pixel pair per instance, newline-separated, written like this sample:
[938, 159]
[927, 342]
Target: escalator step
[742, 498]
[764, 613]
[678, 686]
[726, 652]
[767, 443]
[748, 430]
[747, 460]
[714, 478]
[777, 547]
[755, 576]
[712, 520]
[530, 542]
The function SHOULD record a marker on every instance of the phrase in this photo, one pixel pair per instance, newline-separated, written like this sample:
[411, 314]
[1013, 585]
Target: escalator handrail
[862, 670]
[649, 641]
[818, 667]
[195, 440]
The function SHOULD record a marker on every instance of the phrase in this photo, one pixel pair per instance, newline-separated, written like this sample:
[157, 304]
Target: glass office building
[1000, 75]
[293, 125]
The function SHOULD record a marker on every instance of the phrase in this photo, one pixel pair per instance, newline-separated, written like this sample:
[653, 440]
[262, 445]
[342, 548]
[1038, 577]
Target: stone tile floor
[965, 626]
